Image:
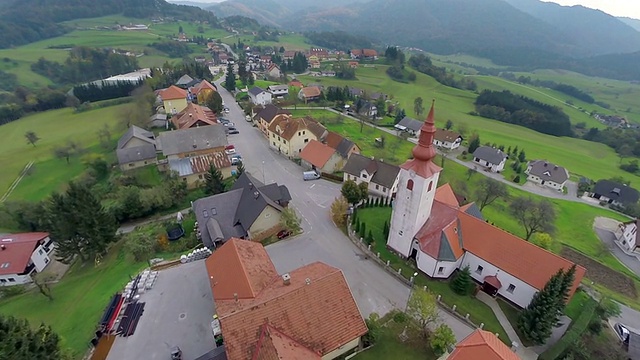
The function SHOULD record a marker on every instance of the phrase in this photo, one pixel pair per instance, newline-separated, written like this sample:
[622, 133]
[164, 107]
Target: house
[615, 193]
[321, 157]
[382, 177]
[310, 93]
[184, 81]
[278, 90]
[328, 73]
[319, 53]
[353, 64]
[274, 71]
[289, 54]
[356, 92]
[192, 169]
[447, 139]
[409, 125]
[23, 255]
[204, 140]
[491, 158]
[308, 313]
[364, 54]
[158, 121]
[627, 235]
[290, 135]
[544, 173]
[174, 99]
[296, 83]
[429, 225]
[249, 210]
[343, 146]
[259, 96]
[378, 95]
[203, 90]
[136, 148]
[366, 108]
[484, 345]
[266, 116]
[194, 116]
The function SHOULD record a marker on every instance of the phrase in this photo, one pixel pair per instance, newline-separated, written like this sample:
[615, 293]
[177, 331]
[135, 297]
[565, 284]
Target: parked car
[229, 124]
[234, 131]
[229, 147]
[223, 120]
[622, 332]
[226, 110]
[230, 151]
[283, 234]
[248, 118]
[176, 353]
[310, 175]
[236, 161]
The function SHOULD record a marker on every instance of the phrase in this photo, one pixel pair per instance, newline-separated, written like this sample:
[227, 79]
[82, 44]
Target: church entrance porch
[491, 285]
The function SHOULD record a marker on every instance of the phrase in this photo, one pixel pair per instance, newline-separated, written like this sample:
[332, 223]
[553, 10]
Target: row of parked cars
[231, 127]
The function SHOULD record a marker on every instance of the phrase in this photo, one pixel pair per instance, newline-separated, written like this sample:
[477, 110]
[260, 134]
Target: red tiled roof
[296, 83]
[317, 153]
[446, 135]
[274, 345]
[424, 151]
[333, 139]
[173, 92]
[369, 52]
[316, 310]
[194, 115]
[200, 164]
[482, 345]
[204, 84]
[446, 195]
[493, 281]
[311, 91]
[17, 251]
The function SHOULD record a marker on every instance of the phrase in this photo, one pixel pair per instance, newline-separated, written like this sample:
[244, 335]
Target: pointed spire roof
[424, 152]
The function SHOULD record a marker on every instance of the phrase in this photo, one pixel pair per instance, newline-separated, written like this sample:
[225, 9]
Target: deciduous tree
[352, 192]
[290, 220]
[20, 341]
[213, 181]
[31, 137]
[422, 307]
[339, 209]
[418, 107]
[62, 152]
[214, 102]
[542, 240]
[489, 190]
[534, 216]
[140, 245]
[42, 281]
[442, 339]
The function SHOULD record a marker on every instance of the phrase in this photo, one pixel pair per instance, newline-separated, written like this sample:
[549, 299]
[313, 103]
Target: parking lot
[178, 311]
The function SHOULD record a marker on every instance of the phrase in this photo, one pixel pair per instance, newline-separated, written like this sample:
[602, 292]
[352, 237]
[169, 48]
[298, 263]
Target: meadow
[55, 128]
[581, 157]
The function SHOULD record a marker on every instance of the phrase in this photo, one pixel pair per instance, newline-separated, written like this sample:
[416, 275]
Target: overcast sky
[627, 8]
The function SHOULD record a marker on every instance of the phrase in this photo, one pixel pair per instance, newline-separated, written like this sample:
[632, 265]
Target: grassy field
[389, 345]
[583, 158]
[54, 128]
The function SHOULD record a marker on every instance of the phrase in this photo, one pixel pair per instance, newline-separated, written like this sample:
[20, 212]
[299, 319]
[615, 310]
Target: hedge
[572, 335]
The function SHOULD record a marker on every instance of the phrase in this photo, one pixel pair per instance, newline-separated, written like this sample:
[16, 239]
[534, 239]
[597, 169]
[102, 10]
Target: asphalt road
[373, 288]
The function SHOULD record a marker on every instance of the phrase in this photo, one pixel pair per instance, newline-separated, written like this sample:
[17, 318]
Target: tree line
[423, 64]
[97, 91]
[520, 110]
[339, 40]
[24, 101]
[563, 88]
[174, 49]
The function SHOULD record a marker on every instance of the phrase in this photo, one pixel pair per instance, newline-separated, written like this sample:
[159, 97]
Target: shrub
[373, 323]
[572, 335]
[10, 291]
[516, 179]
[400, 317]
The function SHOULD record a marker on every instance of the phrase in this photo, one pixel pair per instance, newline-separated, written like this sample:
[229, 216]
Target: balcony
[29, 269]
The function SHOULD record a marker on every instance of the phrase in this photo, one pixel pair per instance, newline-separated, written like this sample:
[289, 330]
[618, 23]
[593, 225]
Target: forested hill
[25, 21]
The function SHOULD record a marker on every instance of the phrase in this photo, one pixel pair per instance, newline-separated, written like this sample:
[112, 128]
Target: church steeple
[425, 150]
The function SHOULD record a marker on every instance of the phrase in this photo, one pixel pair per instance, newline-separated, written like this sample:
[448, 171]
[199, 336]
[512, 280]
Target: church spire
[425, 150]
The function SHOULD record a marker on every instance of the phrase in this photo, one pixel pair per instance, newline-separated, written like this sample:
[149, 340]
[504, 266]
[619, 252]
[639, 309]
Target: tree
[624, 151]
[489, 190]
[180, 31]
[230, 79]
[290, 220]
[104, 135]
[385, 230]
[339, 209]
[400, 114]
[213, 181]
[62, 152]
[214, 102]
[363, 229]
[31, 137]
[20, 341]
[536, 322]
[442, 339]
[140, 244]
[522, 157]
[78, 224]
[534, 216]
[239, 169]
[352, 192]
[474, 143]
[461, 283]
[471, 172]
[422, 307]
[542, 240]
[418, 106]
[42, 280]
[448, 125]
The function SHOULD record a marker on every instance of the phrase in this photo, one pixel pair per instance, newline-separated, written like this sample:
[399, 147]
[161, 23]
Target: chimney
[3, 247]
[545, 164]
[286, 279]
[307, 281]
[373, 158]
[190, 115]
[235, 296]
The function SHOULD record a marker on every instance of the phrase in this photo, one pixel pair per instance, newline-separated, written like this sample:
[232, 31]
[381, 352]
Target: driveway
[373, 288]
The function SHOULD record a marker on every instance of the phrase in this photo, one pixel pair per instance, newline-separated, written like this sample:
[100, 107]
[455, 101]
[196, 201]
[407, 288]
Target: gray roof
[138, 133]
[616, 191]
[344, 147]
[270, 111]
[198, 138]
[548, 171]
[253, 200]
[384, 174]
[492, 155]
[411, 123]
[221, 209]
[138, 153]
[255, 91]
[355, 91]
[182, 166]
[184, 80]
[474, 211]
[278, 193]
[158, 116]
[218, 353]
[277, 87]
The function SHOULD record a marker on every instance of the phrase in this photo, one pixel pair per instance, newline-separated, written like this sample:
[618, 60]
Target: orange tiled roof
[194, 115]
[296, 83]
[311, 91]
[287, 127]
[333, 139]
[446, 135]
[274, 345]
[317, 153]
[482, 345]
[173, 92]
[369, 52]
[298, 309]
[200, 164]
[204, 84]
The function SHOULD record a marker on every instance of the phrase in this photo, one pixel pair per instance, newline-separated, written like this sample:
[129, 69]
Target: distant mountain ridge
[634, 23]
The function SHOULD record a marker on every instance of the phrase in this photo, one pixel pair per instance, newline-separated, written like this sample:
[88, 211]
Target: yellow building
[202, 91]
[290, 135]
[174, 99]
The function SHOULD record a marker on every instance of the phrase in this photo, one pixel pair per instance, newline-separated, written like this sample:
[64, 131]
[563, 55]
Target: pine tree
[21, 341]
[369, 237]
[230, 80]
[565, 288]
[536, 322]
[354, 217]
[385, 230]
[363, 229]
[213, 181]
[357, 227]
[461, 283]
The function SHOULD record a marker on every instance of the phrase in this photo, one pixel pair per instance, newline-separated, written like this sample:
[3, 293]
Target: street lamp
[264, 181]
[411, 281]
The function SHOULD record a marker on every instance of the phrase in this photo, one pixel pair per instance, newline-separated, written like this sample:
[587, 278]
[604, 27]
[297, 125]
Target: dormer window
[410, 185]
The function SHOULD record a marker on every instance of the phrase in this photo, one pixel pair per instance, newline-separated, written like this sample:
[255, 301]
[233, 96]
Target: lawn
[581, 157]
[389, 346]
[55, 128]
[574, 307]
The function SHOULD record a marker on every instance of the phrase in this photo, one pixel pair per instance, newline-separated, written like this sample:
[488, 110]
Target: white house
[23, 255]
[259, 96]
[447, 139]
[429, 225]
[491, 158]
[278, 90]
[544, 173]
[409, 125]
[382, 177]
[627, 235]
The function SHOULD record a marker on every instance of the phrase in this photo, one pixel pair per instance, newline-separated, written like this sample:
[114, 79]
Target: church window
[410, 185]
[479, 269]
[430, 186]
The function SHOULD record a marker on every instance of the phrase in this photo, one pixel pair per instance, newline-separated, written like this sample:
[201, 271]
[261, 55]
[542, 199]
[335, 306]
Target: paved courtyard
[178, 311]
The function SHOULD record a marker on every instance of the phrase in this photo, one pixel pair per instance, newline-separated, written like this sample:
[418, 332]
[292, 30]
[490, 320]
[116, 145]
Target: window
[400, 233]
[131, 165]
[384, 189]
[200, 177]
[214, 211]
[3, 281]
[205, 213]
[273, 136]
[377, 187]
[284, 141]
[40, 251]
[278, 138]
[511, 288]
[479, 269]
[145, 163]
[440, 270]
[46, 260]
[274, 143]
[410, 185]
[364, 176]
[303, 132]
[306, 141]
[430, 185]
[11, 280]
[299, 133]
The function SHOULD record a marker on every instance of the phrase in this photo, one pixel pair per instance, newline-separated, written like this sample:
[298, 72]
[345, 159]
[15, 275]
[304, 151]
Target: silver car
[622, 332]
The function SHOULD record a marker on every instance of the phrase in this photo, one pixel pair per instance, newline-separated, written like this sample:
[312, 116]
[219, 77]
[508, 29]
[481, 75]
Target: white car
[230, 151]
[226, 110]
[227, 124]
[622, 332]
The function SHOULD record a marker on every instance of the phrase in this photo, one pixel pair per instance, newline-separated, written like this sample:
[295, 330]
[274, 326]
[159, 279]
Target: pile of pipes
[197, 254]
[130, 319]
[111, 313]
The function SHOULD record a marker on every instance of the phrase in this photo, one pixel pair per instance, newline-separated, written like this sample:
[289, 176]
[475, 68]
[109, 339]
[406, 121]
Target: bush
[516, 179]
[10, 291]
[400, 317]
[373, 323]
[572, 335]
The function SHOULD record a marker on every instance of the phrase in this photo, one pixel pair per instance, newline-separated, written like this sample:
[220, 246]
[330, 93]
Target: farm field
[581, 157]
[55, 128]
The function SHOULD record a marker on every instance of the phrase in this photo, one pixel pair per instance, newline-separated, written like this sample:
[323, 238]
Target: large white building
[627, 235]
[429, 225]
[23, 255]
